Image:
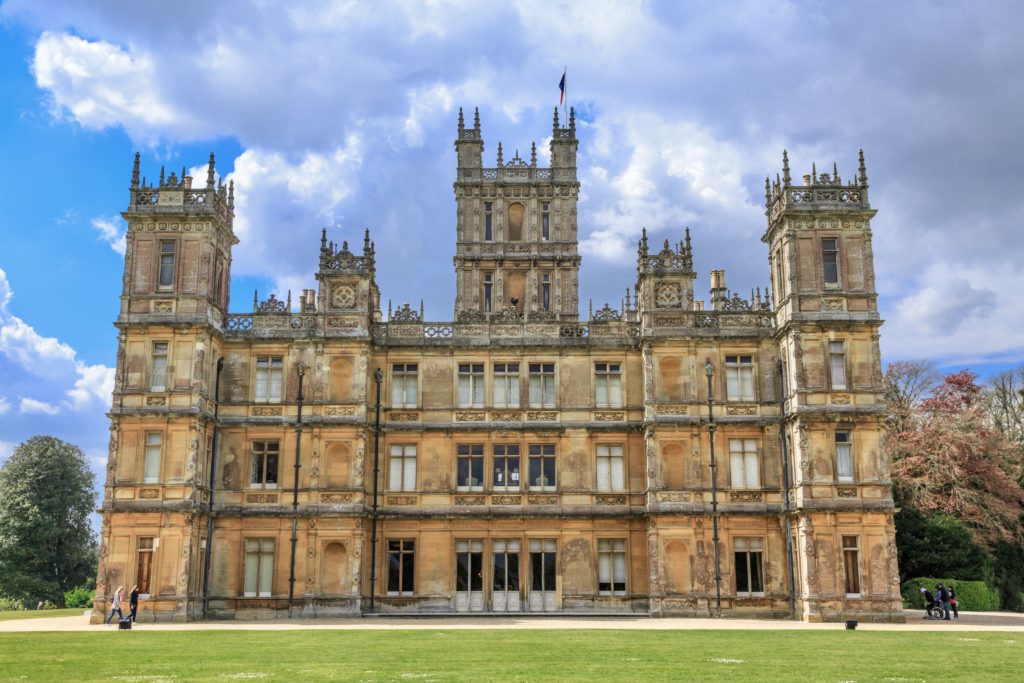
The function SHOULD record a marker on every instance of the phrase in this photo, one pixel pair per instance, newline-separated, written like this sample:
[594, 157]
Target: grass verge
[42, 613]
[527, 655]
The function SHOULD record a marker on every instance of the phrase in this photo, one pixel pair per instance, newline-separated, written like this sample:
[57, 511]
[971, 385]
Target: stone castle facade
[527, 460]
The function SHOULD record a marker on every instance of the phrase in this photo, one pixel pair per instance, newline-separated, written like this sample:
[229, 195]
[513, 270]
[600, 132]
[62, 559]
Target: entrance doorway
[469, 576]
[543, 564]
[505, 586]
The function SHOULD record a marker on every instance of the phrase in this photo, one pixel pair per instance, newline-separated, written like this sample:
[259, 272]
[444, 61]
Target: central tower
[516, 253]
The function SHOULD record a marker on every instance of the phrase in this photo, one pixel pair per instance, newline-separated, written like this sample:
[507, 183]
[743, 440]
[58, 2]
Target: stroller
[932, 608]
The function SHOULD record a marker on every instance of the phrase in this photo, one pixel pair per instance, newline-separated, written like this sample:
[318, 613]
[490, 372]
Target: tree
[46, 541]
[906, 384]
[937, 545]
[950, 459]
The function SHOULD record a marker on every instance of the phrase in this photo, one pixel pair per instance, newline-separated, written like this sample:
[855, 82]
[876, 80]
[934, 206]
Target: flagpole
[565, 92]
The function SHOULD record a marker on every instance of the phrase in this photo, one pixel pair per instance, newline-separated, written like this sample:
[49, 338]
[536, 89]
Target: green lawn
[41, 613]
[524, 655]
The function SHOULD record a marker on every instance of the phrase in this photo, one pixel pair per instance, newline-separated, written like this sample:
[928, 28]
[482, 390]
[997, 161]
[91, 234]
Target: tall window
[780, 286]
[401, 567]
[610, 469]
[470, 467]
[259, 567]
[469, 565]
[158, 367]
[488, 221]
[506, 467]
[543, 564]
[844, 457]
[151, 466]
[269, 379]
[505, 393]
[739, 378]
[471, 385]
[488, 291]
[743, 465]
[830, 261]
[837, 364]
[542, 467]
[545, 291]
[403, 468]
[542, 385]
[265, 456]
[506, 565]
[166, 275]
[144, 564]
[608, 385]
[851, 565]
[545, 221]
[403, 385]
[747, 553]
[611, 566]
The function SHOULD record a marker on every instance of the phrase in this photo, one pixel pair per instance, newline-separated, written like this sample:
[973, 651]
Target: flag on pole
[561, 86]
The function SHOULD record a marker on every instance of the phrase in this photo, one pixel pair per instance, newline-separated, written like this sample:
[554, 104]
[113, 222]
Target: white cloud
[51, 359]
[5, 406]
[111, 230]
[31, 405]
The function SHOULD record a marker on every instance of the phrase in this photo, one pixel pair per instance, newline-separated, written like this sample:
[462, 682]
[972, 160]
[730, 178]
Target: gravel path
[969, 621]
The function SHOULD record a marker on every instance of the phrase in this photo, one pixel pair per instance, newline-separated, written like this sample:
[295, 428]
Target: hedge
[973, 596]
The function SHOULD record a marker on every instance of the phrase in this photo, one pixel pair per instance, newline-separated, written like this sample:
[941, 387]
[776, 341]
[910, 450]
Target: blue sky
[343, 114]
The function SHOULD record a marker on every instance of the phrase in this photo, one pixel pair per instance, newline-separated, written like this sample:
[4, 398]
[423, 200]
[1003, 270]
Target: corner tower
[517, 252]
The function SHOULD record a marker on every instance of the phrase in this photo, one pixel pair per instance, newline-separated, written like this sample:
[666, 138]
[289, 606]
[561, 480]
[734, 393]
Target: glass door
[543, 563]
[469, 576]
[505, 587]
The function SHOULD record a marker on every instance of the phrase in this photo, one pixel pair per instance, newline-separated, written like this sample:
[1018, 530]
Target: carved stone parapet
[341, 321]
[267, 411]
[401, 500]
[609, 416]
[746, 497]
[149, 493]
[609, 500]
[673, 497]
[541, 415]
[470, 500]
[741, 410]
[506, 416]
[673, 410]
[470, 416]
[404, 416]
[335, 497]
[506, 500]
[263, 498]
[542, 500]
[846, 492]
[337, 411]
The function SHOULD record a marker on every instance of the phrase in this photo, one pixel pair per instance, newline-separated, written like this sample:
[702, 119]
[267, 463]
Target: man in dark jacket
[943, 599]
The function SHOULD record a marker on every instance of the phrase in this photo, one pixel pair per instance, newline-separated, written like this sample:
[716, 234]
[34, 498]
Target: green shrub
[10, 604]
[973, 596]
[79, 597]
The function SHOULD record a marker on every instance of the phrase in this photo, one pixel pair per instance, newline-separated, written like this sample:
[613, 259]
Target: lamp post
[709, 370]
[378, 376]
[295, 490]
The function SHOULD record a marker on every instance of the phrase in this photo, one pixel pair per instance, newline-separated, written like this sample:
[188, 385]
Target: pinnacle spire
[500, 158]
[572, 118]
[785, 169]
[533, 154]
[835, 172]
[323, 239]
[556, 118]
[210, 173]
[161, 176]
[231, 194]
[767, 191]
[135, 172]
[462, 122]
[863, 169]
[476, 118]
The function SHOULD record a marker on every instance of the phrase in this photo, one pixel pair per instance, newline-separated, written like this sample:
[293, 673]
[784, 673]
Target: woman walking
[115, 605]
[133, 602]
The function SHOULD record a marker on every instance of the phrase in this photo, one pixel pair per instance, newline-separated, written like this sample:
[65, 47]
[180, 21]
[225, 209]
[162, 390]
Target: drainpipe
[295, 493]
[785, 490]
[213, 482]
[709, 369]
[377, 377]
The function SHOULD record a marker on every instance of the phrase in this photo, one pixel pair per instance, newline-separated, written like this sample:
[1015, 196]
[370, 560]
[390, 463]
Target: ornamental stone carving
[746, 497]
[673, 410]
[470, 500]
[156, 400]
[542, 415]
[846, 492]
[673, 497]
[149, 493]
[404, 416]
[267, 411]
[506, 500]
[335, 497]
[338, 411]
[542, 500]
[470, 416]
[609, 416]
[261, 498]
[609, 500]
[741, 410]
[401, 500]
[506, 416]
[840, 399]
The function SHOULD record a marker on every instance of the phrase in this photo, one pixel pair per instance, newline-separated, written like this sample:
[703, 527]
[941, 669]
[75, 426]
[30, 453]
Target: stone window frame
[261, 562]
[541, 374]
[265, 451]
[745, 546]
[471, 452]
[850, 557]
[158, 445]
[844, 366]
[739, 365]
[603, 371]
[544, 452]
[174, 252]
[150, 554]
[745, 454]
[407, 462]
[406, 375]
[506, 380]
[403, 552]
[495, 457]
[846, 432]
[836, 251]
[271, 370]
[615, 548]
[476, 374]
[609, 463]
[153, 356]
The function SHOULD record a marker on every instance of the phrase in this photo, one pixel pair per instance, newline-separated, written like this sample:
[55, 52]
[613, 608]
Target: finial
[814, 174]
[184, 172]
[255, 298]
[689, 247]
[366, 240]
[666, 244]
[462, 123]
[767, 191]
[533, 154]
[556, 118]
[785, 169]
[476, 119]
[572, 118]
[323, 239]
[863, 169]
[344, 245]
[210, 173]
[135, 172]
[643, 241]
[231, 193]
[835, 173]
[161, 176]
[500, 160]
[591, 307]
[289, 301]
